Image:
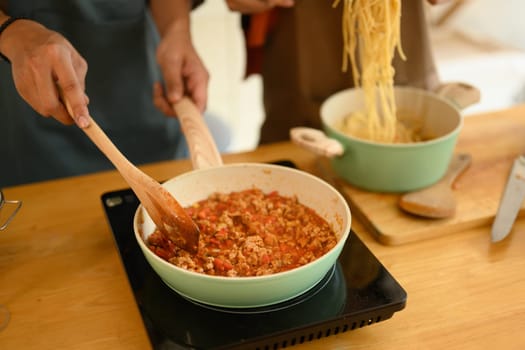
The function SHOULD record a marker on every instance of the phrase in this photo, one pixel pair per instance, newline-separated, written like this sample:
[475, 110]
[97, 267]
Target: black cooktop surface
[358, 291]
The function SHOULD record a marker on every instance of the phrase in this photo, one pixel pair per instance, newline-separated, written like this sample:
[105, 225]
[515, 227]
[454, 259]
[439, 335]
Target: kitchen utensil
[17, 204]
[211, 176]
[438, 200]
[167, 214]
[511, 201]
[392, 167]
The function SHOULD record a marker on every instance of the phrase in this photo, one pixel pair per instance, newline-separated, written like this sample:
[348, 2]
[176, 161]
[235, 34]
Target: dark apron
[117, 38]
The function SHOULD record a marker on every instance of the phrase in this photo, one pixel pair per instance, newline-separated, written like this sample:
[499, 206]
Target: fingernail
[175, 96]
[82, 122]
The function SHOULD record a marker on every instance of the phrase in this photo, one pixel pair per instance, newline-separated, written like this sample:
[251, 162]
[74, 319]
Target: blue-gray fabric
[117, 38]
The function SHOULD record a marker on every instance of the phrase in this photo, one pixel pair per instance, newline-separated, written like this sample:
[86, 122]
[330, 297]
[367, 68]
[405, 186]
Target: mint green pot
[382, 167]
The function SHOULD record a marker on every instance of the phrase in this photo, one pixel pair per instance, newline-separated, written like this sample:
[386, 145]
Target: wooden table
[65, 287]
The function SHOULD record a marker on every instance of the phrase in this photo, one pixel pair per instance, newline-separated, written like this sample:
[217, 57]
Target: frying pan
[211, 175]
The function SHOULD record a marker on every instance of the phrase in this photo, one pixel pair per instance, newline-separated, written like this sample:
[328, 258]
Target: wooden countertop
[62, 280]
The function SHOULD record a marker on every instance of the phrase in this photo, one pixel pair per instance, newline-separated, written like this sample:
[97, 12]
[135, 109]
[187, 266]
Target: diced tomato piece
[265, 259]
[284, 247]
[222, 265]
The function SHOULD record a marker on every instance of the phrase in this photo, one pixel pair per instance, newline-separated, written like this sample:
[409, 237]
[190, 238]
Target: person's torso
[117, 38]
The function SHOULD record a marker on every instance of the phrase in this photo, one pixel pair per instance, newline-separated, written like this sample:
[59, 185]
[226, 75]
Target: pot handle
[203, 150]
[460, 94]
[316, 141]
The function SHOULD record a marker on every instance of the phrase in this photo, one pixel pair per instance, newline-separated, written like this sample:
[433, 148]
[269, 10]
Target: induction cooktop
[358, 291]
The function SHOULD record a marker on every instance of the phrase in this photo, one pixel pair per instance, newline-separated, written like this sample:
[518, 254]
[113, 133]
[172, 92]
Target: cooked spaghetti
[408, 127]
[371, 35]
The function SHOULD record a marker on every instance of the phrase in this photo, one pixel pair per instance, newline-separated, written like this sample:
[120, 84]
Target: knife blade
[511, 201]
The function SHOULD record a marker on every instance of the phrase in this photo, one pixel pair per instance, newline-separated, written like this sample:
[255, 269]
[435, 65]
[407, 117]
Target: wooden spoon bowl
[437, 201]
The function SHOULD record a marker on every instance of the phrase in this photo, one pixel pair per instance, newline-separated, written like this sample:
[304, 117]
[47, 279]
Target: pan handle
[316, 141]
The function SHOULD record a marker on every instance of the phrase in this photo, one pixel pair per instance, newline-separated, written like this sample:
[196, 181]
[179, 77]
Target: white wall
[218, 38]
[483, 43]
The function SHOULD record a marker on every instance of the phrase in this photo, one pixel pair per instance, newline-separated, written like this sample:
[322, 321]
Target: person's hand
[256, 6]
[183, 71]
[42, 61]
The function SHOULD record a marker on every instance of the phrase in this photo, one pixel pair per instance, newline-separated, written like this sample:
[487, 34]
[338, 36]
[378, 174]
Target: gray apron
[118, 39]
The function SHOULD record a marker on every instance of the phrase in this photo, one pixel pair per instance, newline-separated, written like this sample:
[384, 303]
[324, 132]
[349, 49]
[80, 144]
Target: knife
[511, 201]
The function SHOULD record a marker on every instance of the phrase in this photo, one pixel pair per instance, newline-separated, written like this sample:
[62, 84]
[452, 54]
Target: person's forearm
[169, 13]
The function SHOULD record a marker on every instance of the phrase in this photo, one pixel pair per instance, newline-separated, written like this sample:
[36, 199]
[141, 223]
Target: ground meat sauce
[250, 233]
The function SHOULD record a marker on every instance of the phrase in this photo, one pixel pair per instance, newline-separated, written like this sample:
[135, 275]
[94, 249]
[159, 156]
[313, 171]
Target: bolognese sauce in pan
[249, 233]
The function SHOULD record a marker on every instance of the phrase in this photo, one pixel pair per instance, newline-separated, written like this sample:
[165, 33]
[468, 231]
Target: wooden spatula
[167, 214]
[437, 201]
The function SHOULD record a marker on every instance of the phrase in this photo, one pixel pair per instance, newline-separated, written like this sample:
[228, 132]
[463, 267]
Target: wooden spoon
[437, 201]
[167, 214]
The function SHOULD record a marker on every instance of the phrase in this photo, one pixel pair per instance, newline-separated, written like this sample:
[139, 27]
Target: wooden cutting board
[493, 140]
